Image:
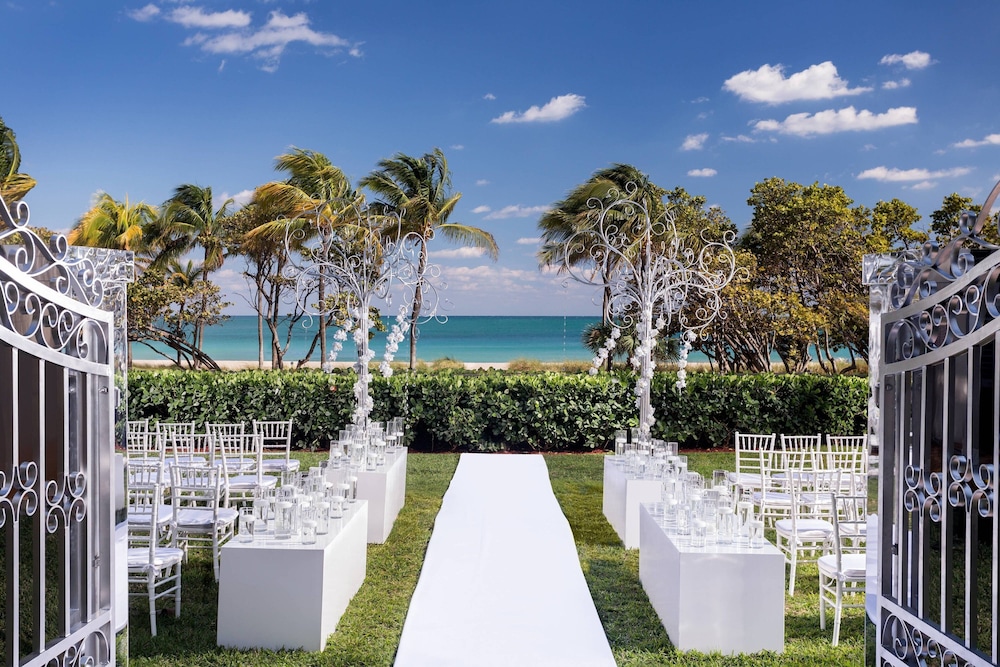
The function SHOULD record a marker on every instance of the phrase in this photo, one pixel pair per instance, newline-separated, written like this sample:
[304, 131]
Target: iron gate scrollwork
[940, 440]
[56, 452]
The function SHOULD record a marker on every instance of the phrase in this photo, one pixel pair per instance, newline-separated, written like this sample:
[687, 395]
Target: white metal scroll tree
[347, 249]
[655, 281]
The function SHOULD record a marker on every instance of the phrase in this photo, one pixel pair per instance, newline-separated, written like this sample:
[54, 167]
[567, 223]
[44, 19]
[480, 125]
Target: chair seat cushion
[280, 465]
[251, 482]
[138, 558]
[853, 566]
[806, 529]
[193, 517]
[745, 478]
[165, 514]
[772, 498]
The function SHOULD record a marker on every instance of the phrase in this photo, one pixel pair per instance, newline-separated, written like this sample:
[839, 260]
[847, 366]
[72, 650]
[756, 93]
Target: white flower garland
[392, 342]
[688, 338]
[602, 354]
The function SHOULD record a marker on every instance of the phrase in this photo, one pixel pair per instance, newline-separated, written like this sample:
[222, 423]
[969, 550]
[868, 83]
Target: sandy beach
[252, 365]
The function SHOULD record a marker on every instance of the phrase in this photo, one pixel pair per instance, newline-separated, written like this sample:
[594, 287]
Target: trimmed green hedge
[494, 410]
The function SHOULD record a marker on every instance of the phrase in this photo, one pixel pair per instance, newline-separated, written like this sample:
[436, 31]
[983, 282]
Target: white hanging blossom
[339, 336]
[602, 354]
[688, 339]
[392, 341]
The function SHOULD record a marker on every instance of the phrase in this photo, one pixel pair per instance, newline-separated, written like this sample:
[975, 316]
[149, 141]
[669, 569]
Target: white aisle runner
[501, 583]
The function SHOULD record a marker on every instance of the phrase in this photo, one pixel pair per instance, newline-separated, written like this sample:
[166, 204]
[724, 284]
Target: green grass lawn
[369, 630]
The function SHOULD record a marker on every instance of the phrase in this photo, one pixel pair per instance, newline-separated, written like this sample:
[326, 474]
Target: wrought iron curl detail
[65, 501]
[923, 493]
[911, 645]
[17, 492]
[971, 488]
[78, 655]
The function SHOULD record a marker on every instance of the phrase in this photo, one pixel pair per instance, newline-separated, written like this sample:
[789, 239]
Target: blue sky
[526, 99]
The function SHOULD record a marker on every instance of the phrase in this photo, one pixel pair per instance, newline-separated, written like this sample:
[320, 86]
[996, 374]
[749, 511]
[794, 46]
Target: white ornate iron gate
[940, 439]
[56, 452]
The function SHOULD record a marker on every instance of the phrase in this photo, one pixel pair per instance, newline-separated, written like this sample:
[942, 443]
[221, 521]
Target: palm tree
[189, 220]
[113, 224]
[418, 190]
[13, 184]
[315, 190]
[576, 214]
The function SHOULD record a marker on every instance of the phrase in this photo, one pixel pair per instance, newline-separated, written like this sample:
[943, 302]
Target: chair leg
[215, 556]
[177, 593]
[791, 574]
[822, 603]
[151, 593]
[837, 612]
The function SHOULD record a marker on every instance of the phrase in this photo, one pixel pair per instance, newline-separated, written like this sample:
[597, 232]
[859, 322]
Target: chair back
[140, 443]
[196, 487]
[236, 453]
[275, 438]
[144, 482]
[846, 452]
[800, 452]
[754, 458]
[850, 524]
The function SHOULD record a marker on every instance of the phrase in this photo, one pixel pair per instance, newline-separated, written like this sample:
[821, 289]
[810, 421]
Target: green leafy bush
[494, 410]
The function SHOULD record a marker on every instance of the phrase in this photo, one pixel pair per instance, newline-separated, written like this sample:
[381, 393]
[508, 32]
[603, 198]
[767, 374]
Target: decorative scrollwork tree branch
[347, 250]
[656, 280]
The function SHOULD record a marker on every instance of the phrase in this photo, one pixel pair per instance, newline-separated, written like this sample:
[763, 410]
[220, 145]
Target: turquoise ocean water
[465, 338]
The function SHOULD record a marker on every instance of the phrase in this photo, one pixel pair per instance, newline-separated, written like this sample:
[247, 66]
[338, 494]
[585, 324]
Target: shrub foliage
[494, 410]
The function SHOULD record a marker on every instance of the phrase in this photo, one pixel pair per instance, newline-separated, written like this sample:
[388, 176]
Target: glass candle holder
[247, 525]
[756, 534]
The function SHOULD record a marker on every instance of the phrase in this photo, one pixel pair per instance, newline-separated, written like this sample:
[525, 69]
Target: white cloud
[768, 84]
[558, 108]
[894, 175]
[845, 120]
[895, 85]
[517, 211]
[240, 199]
[147, 13]
[222, 65]
[457, 253]
[924, 185]
[529, 240]
[708, 172]
[482, 181]
[457, 147]
[699, 100]
[491, 279]
[230, 32]
[988, 140]
[694, 142]
[912, 60]
[489, 96]
[194, 17]
[741, 139]
[481, 209]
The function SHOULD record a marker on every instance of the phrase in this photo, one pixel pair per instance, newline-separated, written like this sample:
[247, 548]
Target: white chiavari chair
[276, 446]
[805, 534]
[842, 574]
[153, 559]
[200, 519]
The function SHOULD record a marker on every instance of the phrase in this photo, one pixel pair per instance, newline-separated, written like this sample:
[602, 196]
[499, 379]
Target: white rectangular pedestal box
[622, 497]
[278, 594]
[385, 491]
[729, 599]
